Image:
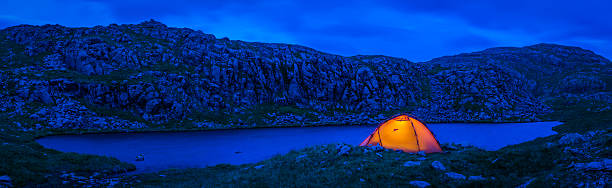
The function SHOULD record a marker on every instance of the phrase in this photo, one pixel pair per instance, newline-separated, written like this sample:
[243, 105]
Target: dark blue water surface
[163, 150]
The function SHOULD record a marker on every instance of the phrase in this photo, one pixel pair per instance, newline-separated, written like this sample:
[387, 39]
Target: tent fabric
[403, 133]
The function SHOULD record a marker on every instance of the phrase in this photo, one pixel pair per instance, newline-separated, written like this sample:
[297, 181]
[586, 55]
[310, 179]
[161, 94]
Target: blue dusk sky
[415, 30]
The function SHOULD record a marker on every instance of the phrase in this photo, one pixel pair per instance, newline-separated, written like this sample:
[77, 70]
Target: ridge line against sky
[414, 30]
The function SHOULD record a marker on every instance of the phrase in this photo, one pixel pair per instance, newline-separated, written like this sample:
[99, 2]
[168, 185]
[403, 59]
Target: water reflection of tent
[403, 133]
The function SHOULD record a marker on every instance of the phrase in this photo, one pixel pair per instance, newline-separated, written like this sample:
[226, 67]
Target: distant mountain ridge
[147, 74]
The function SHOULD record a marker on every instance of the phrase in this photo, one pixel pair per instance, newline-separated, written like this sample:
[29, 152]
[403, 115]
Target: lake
[163, 150]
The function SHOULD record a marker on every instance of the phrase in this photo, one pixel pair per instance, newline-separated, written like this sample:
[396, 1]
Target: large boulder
[572, 138]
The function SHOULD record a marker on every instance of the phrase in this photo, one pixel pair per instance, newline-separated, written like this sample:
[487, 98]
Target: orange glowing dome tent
[403, 133]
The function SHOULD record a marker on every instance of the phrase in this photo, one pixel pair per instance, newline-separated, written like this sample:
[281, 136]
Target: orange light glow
[403, 133]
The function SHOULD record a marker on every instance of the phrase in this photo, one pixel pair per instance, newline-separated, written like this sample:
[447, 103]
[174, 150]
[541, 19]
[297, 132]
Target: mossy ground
[31, 165]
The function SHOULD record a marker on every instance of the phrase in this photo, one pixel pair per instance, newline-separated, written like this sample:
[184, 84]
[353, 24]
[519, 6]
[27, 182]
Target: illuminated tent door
[403, 133]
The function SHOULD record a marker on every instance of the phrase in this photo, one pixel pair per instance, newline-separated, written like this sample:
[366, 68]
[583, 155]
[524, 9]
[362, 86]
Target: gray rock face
[68, 113]
[161, 73]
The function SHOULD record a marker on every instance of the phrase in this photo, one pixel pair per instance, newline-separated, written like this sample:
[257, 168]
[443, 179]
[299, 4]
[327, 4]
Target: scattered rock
[258, 166]
[412, 163]
[377, 148]
[454, 175]
[140, 157]
[604, 165]
[476, 178]
[419, 184]
[526, 184]
[571, 138]
[495, 160]
[301, 156]
[5, 181]
[343, 149]
[438, 165]
[96, 180]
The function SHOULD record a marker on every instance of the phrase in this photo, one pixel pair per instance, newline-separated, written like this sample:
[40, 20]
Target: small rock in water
[140, 157]
[419, 183]
[438, 165]
[412, 163]
[454, 175]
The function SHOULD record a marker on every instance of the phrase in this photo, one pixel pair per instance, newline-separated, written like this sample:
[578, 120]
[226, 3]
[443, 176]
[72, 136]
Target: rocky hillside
[148, 74]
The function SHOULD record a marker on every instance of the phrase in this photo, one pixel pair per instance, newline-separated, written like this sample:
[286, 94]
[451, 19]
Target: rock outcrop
[162, 74]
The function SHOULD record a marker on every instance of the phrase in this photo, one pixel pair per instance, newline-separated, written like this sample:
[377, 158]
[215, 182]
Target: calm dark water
[200, 149]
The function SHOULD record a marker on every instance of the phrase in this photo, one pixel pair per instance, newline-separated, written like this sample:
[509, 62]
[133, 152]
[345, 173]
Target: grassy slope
[30, 164]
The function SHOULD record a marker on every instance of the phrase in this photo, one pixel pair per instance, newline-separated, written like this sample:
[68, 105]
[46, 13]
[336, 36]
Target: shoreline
[62, 132]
